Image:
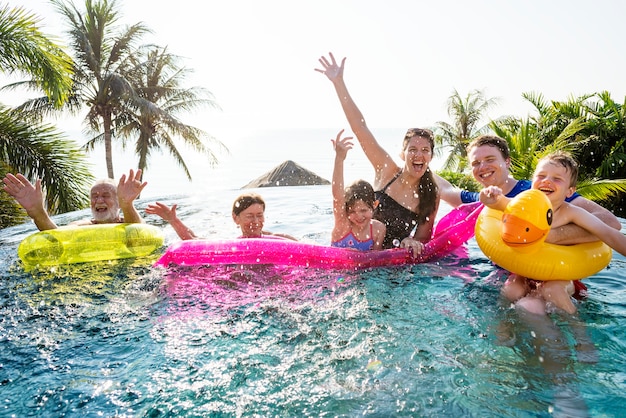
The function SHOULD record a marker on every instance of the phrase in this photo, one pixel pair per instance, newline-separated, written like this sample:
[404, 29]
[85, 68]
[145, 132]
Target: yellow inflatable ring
[82, 244]
[515, 240]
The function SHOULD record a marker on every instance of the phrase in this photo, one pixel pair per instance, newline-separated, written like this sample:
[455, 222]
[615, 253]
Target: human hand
[129, 188]
[415, 247]
[489, 195]
[342, 145]
[162, 210]
[330, 68]
[28, 196]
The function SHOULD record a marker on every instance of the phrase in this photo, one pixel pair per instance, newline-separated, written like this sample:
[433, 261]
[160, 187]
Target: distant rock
[287, 174]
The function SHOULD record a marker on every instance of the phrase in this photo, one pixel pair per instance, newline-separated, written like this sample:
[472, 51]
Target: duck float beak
[518, 231]
[526, 219]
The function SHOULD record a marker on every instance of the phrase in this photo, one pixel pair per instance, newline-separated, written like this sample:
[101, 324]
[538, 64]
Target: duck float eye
[549, 216]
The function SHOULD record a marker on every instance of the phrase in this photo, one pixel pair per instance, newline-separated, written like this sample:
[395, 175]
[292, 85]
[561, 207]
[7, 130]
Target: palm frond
[25, 49]
[40, 151]
[600, 189]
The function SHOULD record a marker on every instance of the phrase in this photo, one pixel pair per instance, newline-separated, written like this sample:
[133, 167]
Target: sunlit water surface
[124, 339]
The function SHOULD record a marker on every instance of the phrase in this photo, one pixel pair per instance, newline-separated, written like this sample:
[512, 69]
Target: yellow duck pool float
[515, 240]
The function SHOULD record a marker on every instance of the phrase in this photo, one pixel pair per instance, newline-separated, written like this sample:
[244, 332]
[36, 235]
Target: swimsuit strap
[391, 181]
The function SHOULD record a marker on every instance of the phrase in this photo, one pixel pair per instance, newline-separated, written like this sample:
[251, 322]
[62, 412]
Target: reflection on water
[122, 338]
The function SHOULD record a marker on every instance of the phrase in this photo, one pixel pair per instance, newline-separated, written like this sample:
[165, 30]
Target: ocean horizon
[252, 153]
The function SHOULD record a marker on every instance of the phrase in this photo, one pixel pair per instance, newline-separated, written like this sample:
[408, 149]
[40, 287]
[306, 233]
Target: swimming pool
[123, 339]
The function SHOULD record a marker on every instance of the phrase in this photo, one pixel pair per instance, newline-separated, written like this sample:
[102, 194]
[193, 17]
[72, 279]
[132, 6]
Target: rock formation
[287, 174]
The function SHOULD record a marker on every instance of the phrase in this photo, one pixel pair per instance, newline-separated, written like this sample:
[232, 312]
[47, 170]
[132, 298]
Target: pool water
[124, 339]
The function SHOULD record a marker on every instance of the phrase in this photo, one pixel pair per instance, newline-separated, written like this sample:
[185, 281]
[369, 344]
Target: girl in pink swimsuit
[353, 207]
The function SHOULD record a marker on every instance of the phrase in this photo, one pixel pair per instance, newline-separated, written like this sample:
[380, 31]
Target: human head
[421, 133]
[360, 192]
[105, 207]
[249, 214]
[566, 161]
[490, 159]
[417, 152]
[556, 175]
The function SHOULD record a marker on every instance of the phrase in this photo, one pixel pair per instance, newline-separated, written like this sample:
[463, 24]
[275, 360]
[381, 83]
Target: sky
[404, 58]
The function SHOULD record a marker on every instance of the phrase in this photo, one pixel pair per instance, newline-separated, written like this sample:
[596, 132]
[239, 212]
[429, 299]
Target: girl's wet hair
[359, 190]
[427, 188]
[246, 200]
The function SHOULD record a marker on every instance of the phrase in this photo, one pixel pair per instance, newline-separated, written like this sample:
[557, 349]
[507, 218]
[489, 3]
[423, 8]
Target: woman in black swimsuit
[408, 195]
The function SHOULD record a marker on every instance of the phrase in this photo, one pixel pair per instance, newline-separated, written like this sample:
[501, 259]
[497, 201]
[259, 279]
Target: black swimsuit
[399, 220]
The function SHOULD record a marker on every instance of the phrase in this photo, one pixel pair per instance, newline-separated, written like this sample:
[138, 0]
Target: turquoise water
[123, 339]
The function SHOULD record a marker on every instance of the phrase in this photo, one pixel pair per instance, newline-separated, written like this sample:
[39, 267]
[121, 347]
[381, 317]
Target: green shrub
[462, 181]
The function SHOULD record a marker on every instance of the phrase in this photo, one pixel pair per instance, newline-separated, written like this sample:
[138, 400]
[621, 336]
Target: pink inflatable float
[454, 229]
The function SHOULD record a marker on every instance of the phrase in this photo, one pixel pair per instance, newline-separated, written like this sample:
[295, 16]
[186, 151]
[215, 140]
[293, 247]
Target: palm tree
[466, 114]
[153, 124]
[26, 145]
[100, 57]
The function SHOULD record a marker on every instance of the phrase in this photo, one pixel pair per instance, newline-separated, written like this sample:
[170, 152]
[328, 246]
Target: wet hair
[108, 181]
[359, 190]
[246, 200]
[427, 188]
[564, 160]
[492, 141]
[422, 133]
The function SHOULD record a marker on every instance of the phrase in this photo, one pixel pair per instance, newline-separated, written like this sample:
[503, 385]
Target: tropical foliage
[593, 132]
[40, 151]
[462, 180]
[591, 127]
[26, 50]
[101, 55]
[132, 93]
[606, 130]
[154, 124]
[26, 145]
[604, 154]
[466, 114]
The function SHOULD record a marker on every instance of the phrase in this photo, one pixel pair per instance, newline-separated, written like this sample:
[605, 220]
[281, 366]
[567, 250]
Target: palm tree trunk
[106, 122]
